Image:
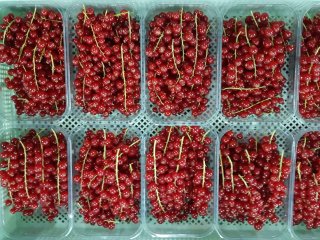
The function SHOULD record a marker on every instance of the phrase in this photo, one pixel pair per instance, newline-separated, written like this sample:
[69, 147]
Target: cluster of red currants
[34, 172]
[179, 65]
[309, 89]
[252, 179]
[254, 53]
[33, 46]
[108, 62]
[179, 180]
[108, 172]
[307, 181]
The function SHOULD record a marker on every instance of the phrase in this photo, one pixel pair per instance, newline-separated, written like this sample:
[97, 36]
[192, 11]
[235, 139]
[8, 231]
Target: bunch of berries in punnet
[34, 171]
[33, 47]
[108, 172]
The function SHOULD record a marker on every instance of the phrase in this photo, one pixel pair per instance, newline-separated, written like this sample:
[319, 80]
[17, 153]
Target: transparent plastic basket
[99, 7]
[238, 230]
[7, 108]
[17, 226]
[213, 103]
[311, 10]
[82, 230]
[276, 12]
[300, 231]
[192, 228]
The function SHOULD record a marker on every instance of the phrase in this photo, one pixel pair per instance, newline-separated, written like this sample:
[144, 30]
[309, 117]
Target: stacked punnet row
[178, 67]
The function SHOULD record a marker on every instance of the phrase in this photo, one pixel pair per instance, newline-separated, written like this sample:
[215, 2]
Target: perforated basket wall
[276, 12]
[199, 227]
[240, 230]
[81, 229]
[7, 108]
[17, 226]
[72, 20]
[212, 106]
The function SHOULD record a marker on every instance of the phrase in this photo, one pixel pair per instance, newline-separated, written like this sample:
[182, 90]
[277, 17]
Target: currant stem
[158, 42]
[206, 58]
[299, 170]
[181, 33]
[203, 172]
[155, 161]
[129, 26]
[280, 165]
[243, 89]
[27, 35]
[246, 34]
[248, 155]
[168, 140]
[254, 19]
[175, 61]
[315, 149]
[23, 99]
[188, 135]
[222, 170]
[255, 66]
[6, 30]
[83, 88]
[34, 66]
[104, 145]
[124, 79]
[134, 143]
[159, 200]
[245, 183]
[181, 147]
[316, 182]
[103, 69]
[51, 20]
[231, 168]
[58, 161]
[243, 180]
[83, 165]
[272, 136]
[42, 158]
[204, 136]
[197, 42]
[56, 106]
[117, 172]
[25, 168]
[304, 142]
[52, 64]
[157, 95]
[253, 105]
[91, 180]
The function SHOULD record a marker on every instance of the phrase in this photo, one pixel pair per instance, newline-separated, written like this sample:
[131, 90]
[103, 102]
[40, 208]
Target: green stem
[124, 79]
[25, 168]
[27, 35]
[196, 47]
[117, 172]
[58, 161]
[231, 168]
